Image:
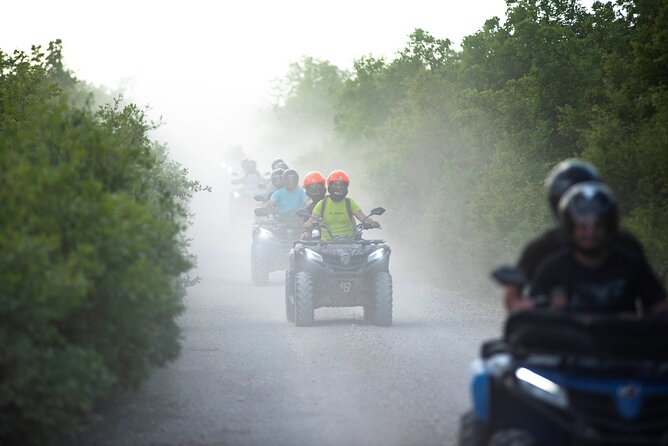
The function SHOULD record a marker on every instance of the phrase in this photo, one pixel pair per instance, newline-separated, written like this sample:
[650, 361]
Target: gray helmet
[589, 199]
[277, 178]
[566, 174]
[276, 162]
[290, 179]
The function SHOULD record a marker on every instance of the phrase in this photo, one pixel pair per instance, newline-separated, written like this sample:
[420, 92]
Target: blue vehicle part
[480, 388]
[627, 395]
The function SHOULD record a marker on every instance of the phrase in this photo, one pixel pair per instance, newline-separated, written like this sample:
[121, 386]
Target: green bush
[463, 140]
[92, 249]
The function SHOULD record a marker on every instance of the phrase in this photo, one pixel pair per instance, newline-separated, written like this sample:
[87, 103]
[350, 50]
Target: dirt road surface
[248, 377]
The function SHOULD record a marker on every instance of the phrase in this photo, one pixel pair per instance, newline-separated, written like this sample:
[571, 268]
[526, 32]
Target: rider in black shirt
[561, 178]
[595, 272]
[554, 240]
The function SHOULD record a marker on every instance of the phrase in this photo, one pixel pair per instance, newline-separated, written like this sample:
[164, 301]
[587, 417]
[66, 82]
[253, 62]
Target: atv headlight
[541, 388]
[312, 255]
[376, 255]
[236, 194]
[264, 233]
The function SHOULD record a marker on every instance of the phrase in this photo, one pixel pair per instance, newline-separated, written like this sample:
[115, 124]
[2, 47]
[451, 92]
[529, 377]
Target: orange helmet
[337, 184]
[338, 175]
[312, 178]
[314, 185]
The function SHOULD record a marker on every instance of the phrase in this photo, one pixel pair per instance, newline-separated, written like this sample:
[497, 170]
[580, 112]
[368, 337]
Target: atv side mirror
[377, 211]
[303, 213]
[264, 212]
[510, 275]
[259, 198]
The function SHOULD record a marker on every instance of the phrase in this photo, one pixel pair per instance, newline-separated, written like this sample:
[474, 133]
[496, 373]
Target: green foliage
[308, 90]
[468, 136]
[92, 249]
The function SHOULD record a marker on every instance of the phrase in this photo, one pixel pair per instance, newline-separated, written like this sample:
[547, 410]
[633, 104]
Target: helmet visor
[590, 232]
[290, 181]
[338, 188]
[316, 190]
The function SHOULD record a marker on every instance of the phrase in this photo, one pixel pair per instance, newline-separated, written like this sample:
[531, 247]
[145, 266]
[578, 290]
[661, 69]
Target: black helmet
[566, 174]
[276, 162]
[277, 178]
[586, 200]
[290, 179]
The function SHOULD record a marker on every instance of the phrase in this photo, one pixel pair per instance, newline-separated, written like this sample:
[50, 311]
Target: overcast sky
[207, 66]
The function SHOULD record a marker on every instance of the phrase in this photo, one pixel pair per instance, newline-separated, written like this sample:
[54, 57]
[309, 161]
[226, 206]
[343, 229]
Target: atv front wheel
[303, 299]
[381, 308]
[512, 437]
[289, 296]
[471, 431]
[259, 266]
[367, 312]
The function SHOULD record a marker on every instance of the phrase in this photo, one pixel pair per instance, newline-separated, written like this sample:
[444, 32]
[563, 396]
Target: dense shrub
[92, 248]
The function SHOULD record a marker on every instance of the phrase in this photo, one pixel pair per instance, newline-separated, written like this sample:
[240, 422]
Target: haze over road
[248, 377]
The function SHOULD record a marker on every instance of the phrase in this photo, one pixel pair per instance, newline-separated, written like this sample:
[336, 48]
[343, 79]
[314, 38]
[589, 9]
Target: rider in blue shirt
[290, 197]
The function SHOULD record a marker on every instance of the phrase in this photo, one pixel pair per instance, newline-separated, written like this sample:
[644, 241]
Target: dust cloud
[216, 231]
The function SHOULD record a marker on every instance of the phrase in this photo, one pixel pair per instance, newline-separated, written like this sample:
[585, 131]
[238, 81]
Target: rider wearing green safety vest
[338, 211]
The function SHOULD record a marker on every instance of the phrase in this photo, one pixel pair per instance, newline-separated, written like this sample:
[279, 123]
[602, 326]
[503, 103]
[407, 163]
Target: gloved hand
[371, 225]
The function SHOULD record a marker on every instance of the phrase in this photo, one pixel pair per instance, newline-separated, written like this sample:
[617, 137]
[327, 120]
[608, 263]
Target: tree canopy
[470, 134]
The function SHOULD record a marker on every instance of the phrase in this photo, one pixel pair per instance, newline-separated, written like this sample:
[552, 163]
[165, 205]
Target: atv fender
[481, 389]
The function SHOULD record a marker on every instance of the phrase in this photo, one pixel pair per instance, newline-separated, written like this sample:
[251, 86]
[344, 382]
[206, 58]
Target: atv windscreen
[605, 337]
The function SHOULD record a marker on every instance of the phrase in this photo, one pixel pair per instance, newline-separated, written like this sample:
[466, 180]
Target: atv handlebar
[357, 232]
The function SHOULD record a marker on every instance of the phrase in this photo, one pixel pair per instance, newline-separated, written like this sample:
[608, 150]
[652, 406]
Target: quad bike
[242, 199]
[559, 378]
[341, 272]
[273, 238]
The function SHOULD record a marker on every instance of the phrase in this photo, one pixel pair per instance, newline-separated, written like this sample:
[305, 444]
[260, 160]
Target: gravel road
[248, 377]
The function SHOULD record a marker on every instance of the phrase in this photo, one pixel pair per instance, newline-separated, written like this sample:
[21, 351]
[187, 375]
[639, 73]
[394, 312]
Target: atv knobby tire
[289, 296]
[470, 431]
[380, 310]
[259, 265]
[512, 437]
[367, 312]
[303, 299]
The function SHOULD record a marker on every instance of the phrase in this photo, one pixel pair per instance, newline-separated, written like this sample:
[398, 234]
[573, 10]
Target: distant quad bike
[273, 238]
[558, 378]
[242, 201]
[343, 272]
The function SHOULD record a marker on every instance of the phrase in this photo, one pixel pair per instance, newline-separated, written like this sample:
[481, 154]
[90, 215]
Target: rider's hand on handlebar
[371, 225]
[522, 304]
[558, 301]
[661, 307]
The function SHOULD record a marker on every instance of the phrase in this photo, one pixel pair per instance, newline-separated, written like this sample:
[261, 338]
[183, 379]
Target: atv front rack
[347, 241]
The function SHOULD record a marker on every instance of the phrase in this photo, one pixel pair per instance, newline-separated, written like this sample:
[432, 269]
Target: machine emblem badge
[346, 286]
